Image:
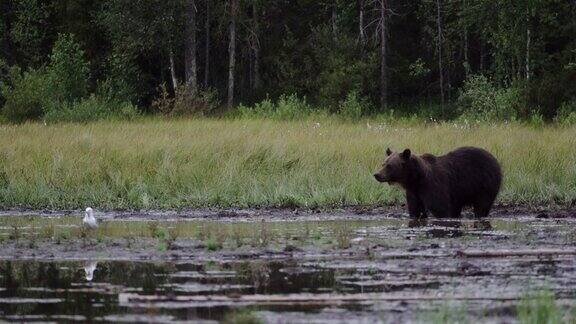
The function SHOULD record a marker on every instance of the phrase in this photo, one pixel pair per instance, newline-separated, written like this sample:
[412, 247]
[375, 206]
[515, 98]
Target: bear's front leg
[441, 209]
[416, 207]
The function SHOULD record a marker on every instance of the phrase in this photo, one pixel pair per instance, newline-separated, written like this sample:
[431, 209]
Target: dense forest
[506, 59]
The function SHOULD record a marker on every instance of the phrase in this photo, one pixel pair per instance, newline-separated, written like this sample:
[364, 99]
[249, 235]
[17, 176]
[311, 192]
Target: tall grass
[155, 163]
[540, 308]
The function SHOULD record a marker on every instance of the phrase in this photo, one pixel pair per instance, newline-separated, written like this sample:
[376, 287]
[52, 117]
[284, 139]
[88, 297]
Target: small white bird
[89, 268]
[89, 219]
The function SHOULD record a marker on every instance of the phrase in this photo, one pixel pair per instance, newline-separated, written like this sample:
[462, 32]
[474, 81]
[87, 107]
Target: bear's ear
[388, 152]
[406, 154]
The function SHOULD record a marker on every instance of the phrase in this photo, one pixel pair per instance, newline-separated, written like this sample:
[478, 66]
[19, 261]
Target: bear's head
[396, 168]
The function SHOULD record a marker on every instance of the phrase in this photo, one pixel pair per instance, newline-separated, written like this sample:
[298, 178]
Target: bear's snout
[379, 177]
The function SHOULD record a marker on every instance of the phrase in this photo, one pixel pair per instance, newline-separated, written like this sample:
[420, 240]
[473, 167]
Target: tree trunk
[232, 52]
[256, 49]
[334, 19]
[466, 60]
[481, 56]
[440, 65]
[383, 67]
[172, 69]
[527, 47]
[207, 58]
[190, 51]
[361, 31]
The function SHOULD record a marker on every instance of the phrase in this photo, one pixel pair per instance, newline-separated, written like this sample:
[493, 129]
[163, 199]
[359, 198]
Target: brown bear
[443, 185]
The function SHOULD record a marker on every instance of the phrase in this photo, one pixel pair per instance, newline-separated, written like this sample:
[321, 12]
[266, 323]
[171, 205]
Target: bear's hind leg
[482, 208]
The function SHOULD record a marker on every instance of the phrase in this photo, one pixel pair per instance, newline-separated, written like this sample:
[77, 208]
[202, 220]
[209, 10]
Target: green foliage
[339, 70]
[263, 108]
[241, 317]
[286, 108]
[121, 79]
[291, 107]
[566, 114]
[354, 106]
[539, 308]
[68, 71]
[58, 92]
[31, 94]
[91, 109]
[418, 68]
[29, 30]
[213, 245]
[186, 102]
[481, 100]
[536, 119]
[4, 77]
[26, 95]
[308, 48]
[447, 314]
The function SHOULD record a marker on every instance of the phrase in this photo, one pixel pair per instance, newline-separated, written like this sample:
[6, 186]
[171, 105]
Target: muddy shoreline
[289, 214]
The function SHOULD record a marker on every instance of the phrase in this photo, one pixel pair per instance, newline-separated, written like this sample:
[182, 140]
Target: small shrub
[213, 245]
[418, 69]
[164, 102]
[91, 109]
[291, 107]
[447, 314]
[186, 102]
[536, 120]
[202, 102]
[58, 86]
[154, 229]
[288, 107]
[353, 107]
[25, 95]
[481, 100]
[539, 308]
[122, 79]
[68, 71]
[264, 108]
[566, 115]
[112, 90]
[241, 317]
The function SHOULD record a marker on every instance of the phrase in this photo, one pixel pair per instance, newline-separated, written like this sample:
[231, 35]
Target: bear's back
[471, 173]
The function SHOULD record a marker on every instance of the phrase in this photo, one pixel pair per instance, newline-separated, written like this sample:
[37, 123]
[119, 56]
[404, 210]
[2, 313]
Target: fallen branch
[507, 253]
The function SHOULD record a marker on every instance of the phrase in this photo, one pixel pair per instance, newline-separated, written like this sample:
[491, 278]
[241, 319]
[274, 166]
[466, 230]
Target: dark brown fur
[443, 185]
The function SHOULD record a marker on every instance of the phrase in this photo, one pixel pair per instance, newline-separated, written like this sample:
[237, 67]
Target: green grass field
[154, 163]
